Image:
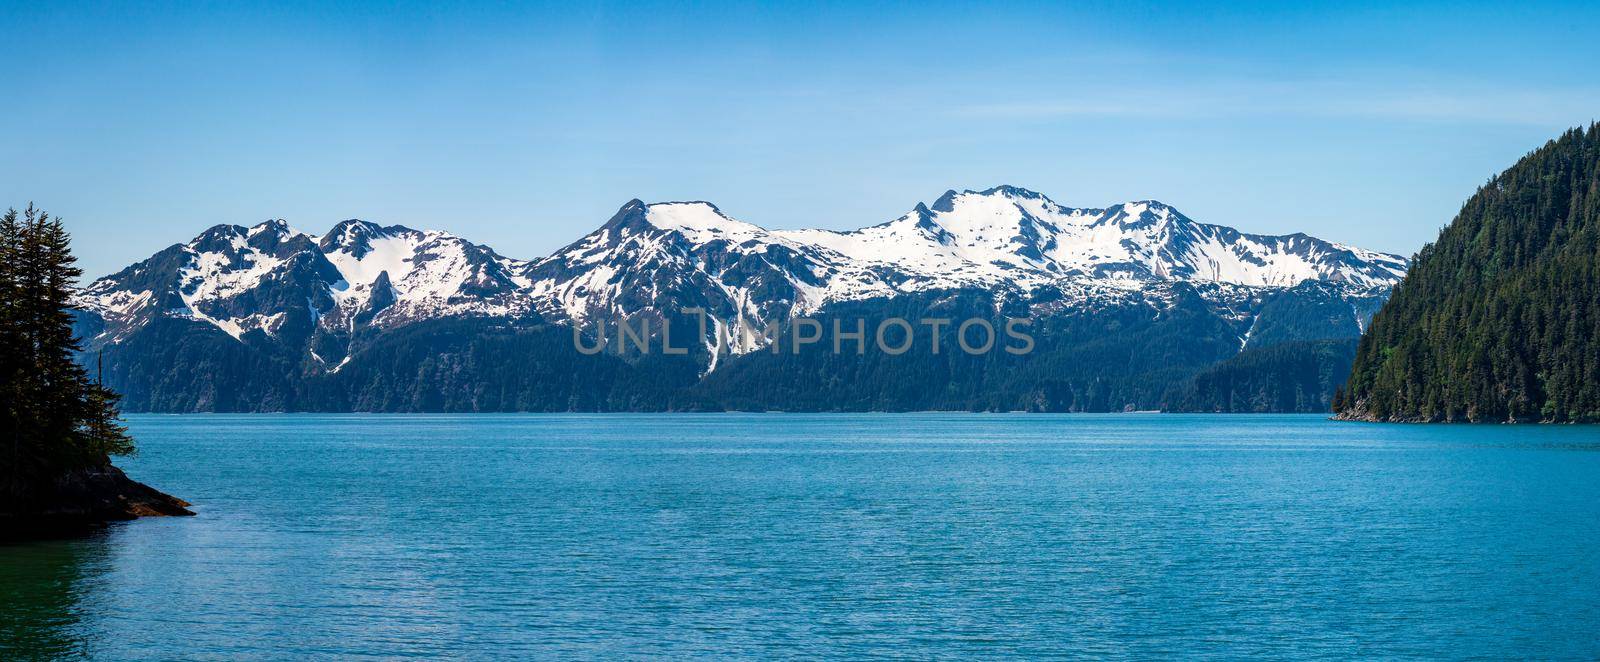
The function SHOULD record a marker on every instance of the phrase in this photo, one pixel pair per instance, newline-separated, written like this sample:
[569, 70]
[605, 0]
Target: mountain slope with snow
[312, 304]
[259, 278]
[1003, 238]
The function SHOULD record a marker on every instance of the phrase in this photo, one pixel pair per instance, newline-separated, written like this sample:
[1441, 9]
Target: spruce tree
[11, 355]
[58, 420]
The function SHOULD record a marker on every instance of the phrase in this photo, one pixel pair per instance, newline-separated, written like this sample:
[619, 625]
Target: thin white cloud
[1309, 99]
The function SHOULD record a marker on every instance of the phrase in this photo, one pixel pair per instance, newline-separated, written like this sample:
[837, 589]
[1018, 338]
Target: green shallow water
[916, 536]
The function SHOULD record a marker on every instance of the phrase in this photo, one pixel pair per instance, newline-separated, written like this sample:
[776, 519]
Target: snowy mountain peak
[1145, 215]
[276, 226]
[276, 280]
[350, 231]
[698, 220]
[998, 196]
[1012, 191]
[356, 237]
[1003, 237]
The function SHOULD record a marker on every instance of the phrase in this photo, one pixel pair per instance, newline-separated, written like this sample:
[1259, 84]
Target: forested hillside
[1498, 319]
[1299, 376]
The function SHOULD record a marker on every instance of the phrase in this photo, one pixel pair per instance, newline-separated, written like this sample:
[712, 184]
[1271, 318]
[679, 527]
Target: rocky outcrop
[85, 499]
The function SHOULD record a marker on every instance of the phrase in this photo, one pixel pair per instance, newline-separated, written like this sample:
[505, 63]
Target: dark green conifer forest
[1299, 377]
[1499, 319]
[54, 416]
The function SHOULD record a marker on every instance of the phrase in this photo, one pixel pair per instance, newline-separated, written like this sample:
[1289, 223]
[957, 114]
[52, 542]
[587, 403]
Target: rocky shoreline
[1362, 417]
[86, 499]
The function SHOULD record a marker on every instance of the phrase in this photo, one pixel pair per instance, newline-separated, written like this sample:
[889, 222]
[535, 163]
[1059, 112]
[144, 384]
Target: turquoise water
[831, 535]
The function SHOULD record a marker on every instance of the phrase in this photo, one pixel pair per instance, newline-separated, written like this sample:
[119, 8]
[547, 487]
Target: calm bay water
[830, 535]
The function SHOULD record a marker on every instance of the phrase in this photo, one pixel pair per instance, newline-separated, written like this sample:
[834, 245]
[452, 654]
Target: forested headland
[60, 425]
[1499, 319]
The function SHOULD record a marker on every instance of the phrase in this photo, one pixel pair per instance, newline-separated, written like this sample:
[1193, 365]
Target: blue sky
[524, 127]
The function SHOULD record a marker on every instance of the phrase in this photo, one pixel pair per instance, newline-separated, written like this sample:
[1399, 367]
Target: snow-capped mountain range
[287, 284]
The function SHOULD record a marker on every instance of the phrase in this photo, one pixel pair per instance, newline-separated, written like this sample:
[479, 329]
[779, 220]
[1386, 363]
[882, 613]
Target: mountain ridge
[268, 317]
[1003, 237]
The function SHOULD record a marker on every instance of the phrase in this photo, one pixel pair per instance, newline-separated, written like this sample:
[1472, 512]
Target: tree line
[54, 417]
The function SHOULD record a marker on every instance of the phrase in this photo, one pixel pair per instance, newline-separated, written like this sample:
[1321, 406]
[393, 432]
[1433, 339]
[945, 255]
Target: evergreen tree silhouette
[57, 419]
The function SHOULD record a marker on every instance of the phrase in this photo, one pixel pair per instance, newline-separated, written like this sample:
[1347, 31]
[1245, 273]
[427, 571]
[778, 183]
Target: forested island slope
[58, 427]
[1497, 320]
